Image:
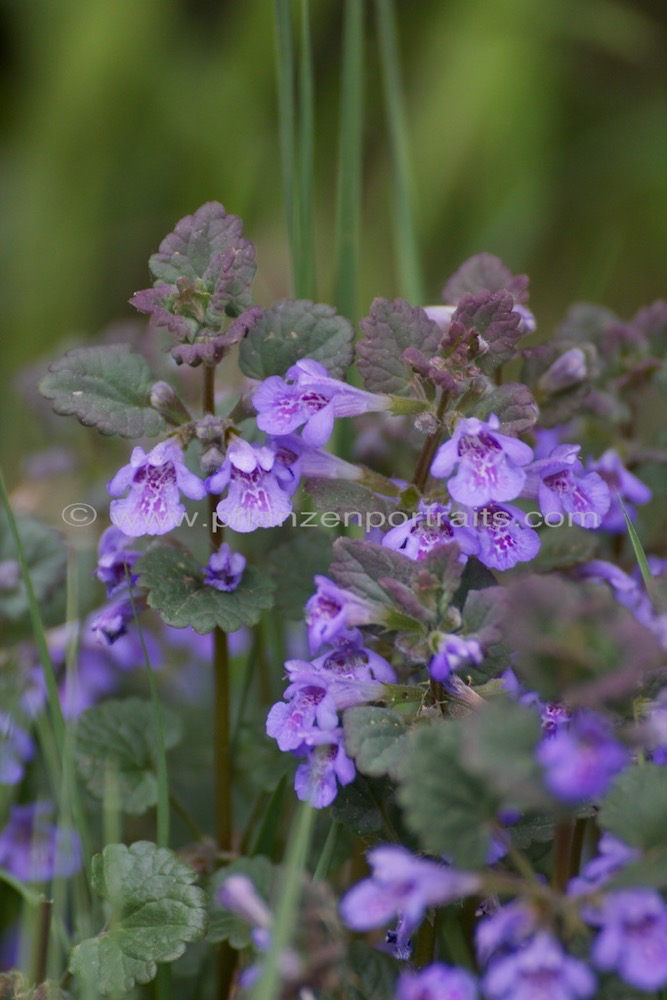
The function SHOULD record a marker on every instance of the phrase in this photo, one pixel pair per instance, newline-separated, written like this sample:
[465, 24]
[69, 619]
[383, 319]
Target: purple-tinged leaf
[210, 346]
[104, 387]
[358, 566]
[587, 321]
[292, 330]
[390, 329]
[493, 323]
[157, 303]
[560, 374]
[208, 249]
[514, 405]
[484, 272]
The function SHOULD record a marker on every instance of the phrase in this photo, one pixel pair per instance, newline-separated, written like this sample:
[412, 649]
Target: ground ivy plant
[449, 632]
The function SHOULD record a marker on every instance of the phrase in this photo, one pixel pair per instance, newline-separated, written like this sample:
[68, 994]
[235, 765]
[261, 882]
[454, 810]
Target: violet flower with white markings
[225, 569]
[308, 397]
[255, 494]
[155, 482]
[489, 464]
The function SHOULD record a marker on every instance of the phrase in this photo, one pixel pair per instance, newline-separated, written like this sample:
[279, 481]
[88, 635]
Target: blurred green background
[538, 131]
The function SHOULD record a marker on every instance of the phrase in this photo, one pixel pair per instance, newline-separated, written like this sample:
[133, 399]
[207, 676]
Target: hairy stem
[429, 447]
[221, 715]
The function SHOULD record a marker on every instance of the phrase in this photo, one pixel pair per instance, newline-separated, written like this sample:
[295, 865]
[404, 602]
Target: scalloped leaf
[120, 733]
[104, 387]
[47, 561]
[484, 272]
[175, 584]
[294, 329]
[156, 911]
[390, 329]
[491, 315]
[376, 739]
[207, 249]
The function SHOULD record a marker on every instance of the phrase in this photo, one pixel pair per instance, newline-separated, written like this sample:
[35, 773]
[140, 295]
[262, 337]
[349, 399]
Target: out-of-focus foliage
[538, 134]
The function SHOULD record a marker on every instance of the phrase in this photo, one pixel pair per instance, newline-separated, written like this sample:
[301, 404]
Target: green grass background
[536, 131]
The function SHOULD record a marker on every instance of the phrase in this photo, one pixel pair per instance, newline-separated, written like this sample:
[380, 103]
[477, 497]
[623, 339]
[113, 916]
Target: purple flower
[504, 536]
[225, 569]
[256, 497]
[155, 481]
[34, 850]
[567, 371]
[429, 528]
[633, 938]
[16, 747]
[539, 971]
[288, 461]
[308, 397]
[581, 761]
[612, 855]
[437, 982]
[489, 463]
[115, 559]
[332, 610]
[112, 621]
[351, 660]
[405, 885]
[306, 704]
[326, 765]
[504, 930]
[563, 488]
[238, 894]
[454, 652]
[632, 490]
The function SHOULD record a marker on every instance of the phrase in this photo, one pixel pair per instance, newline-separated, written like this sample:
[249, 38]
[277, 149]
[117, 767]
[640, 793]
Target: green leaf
[564, 546]
[104, 387]
[297, 329]
[225, 925]
[358, 566]
[46, 558]
[369, 974]
[498, 746]
[376, 739]
[389, 330]
[293, 566]
[121, 733]
[155, 911]
[449, 809]
[357, 806]
[635, 810]
[345, 496]
[175, 584]
[514, 405]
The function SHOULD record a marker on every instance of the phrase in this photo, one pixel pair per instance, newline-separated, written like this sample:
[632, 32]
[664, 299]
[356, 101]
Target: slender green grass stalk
[306, 272]
[406, 241]
[265, 841]
[28, 895]
[638, 548]
[326, 857]
[348, 200]
[286, 122]
[268, 987]
[54, 707]
[163, 816]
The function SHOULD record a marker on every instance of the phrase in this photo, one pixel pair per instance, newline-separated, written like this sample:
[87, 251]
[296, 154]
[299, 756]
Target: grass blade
[348, 215]
[286, 123]
[305, 280]
[408, 259]
[638, 548]
[268, 987]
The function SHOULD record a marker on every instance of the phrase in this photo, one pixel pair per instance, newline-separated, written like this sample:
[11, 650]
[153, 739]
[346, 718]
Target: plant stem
[42, 941]
[562, 847]
[429, 447]
[222, 758]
